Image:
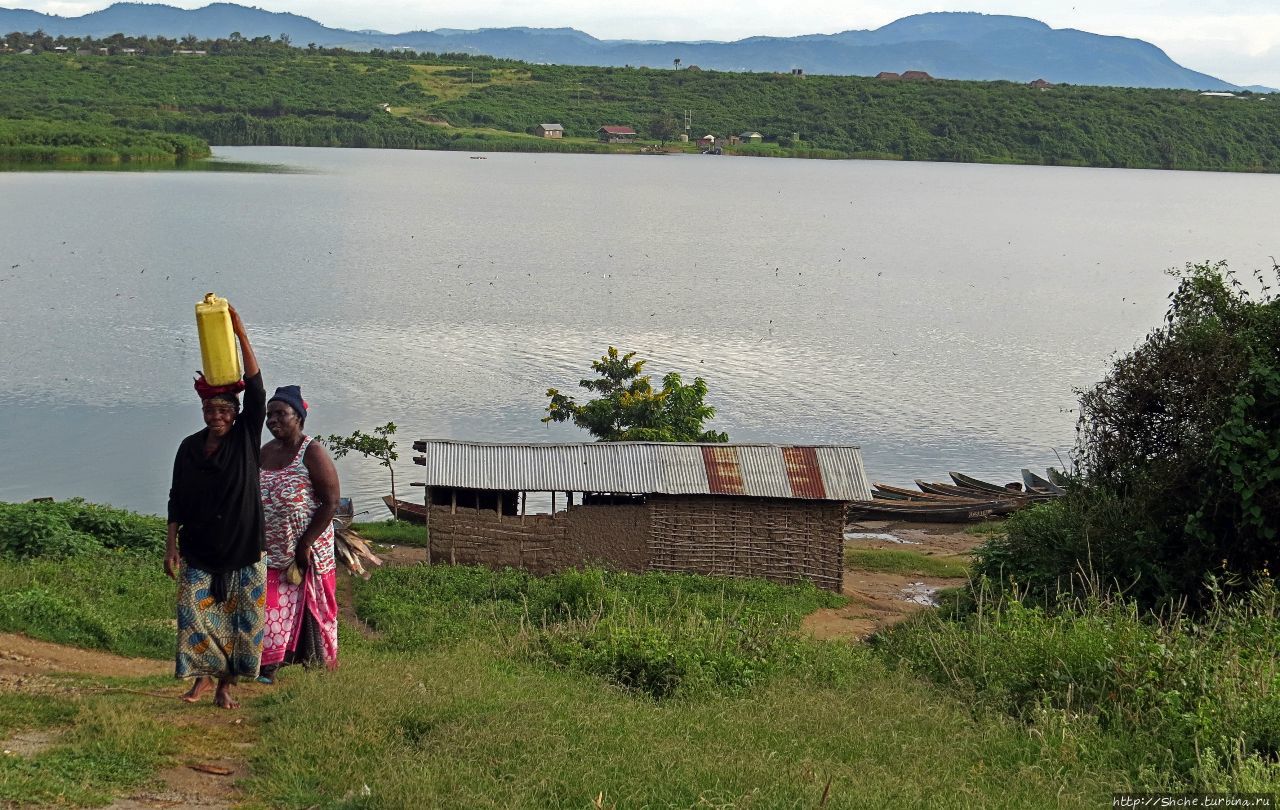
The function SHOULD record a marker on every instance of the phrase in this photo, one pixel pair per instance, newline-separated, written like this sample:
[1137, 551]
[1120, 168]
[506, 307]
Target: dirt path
[879, 600]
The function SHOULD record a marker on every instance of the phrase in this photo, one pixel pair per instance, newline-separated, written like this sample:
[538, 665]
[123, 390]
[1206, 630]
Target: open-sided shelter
[743, 510]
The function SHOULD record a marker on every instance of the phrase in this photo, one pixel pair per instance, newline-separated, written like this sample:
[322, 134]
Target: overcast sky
[1235, 40]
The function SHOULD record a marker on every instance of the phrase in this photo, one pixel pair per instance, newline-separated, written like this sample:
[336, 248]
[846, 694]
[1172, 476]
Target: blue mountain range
[947, 45]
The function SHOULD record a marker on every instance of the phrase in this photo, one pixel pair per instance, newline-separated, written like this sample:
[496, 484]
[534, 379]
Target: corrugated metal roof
[552, 126]
[757, 470]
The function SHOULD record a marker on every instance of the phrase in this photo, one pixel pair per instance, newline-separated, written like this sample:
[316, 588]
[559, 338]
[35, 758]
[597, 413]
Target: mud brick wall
[780, 540]
[613, 537]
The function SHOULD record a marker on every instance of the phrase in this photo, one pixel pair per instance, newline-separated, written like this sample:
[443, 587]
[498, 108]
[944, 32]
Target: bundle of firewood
[353, 551]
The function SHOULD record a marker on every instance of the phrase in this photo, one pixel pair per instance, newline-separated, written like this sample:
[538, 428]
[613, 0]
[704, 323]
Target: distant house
[885, 74]
[707, 140]
[694, 68]
[83, 52]
[129, 50]
[60, 49]
[751, 137]
[188, 52]
[612, 133]
[1040, 84]
[797, 72]
[915, 75]
[1218, 94]
[549, 130]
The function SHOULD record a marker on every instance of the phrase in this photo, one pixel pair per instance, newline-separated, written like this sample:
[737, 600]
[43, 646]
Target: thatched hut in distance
[738, 510]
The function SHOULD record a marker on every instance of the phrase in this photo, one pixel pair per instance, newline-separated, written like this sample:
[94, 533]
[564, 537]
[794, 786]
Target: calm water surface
[938, 315]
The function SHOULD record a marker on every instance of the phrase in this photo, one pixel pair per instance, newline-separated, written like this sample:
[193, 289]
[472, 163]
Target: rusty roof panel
[724, 475]
[757, 470]
[803, 472]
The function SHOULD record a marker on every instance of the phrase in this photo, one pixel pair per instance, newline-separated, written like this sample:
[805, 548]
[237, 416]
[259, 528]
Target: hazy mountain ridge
[952, 45]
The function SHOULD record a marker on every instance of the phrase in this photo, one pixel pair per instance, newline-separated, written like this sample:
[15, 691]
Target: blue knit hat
[291, 395]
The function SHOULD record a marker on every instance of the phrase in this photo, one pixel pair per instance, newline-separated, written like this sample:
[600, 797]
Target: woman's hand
[237, 325]
[172, 563]
[302, 556]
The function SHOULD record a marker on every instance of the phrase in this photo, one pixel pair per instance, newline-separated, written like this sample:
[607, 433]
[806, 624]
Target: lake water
[938, 315]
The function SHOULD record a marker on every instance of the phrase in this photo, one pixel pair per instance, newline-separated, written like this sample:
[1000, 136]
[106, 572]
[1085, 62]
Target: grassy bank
[297, 98]
[474, 688]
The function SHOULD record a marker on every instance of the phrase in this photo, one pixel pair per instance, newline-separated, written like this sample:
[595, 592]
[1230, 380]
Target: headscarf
[227, 392]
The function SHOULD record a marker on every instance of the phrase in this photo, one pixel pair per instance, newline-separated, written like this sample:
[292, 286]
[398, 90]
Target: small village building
[887, 75]
[612, 133]
[707, 140]
[751, 137]
[798, 72]
[83, 52]
[60, 49]
[737, 510]
[1041, 84]
[549, 131]
[915, 76]
[694, 68]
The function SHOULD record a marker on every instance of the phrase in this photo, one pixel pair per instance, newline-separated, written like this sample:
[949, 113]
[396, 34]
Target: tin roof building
[773, 511]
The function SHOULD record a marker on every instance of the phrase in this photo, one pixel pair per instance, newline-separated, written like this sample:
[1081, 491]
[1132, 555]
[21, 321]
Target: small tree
[378, 446]
[629, 409]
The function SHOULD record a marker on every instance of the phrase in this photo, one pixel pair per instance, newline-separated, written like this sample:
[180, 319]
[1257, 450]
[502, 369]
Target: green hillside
[283, 96]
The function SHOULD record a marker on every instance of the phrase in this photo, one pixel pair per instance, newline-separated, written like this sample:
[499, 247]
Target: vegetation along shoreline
[71, 101]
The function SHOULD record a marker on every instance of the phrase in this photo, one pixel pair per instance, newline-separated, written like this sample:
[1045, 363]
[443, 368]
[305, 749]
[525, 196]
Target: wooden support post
[453, 501]
[427, 520]
[553, 503]
[523, 495]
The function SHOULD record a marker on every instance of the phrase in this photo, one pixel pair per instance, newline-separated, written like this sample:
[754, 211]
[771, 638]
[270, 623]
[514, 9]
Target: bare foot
[201, 685]
[223, 699]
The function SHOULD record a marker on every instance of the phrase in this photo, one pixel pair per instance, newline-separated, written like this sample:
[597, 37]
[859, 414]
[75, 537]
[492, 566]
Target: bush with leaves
[628, 409]
[1179, 451]
[67, 528]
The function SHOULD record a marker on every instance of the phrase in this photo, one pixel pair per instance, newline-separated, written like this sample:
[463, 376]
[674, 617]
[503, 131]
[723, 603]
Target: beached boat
[1036, 484]
[411, 512]
[925, 512]
[969, 482]
[1058, 478]
[909, 494]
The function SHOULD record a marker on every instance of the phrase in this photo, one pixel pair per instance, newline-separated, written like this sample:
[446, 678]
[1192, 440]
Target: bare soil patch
[880, 600]
[21, 657]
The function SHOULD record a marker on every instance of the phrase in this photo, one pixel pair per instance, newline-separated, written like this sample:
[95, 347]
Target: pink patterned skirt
[301, 620]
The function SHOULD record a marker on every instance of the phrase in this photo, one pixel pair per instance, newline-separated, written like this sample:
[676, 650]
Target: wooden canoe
[1035, 483]
[969, 482]
[925, 513]
[910, 494]
[1058, 478]
[411, 512]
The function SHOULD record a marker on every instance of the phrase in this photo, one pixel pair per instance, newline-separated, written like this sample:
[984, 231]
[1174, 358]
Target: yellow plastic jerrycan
[218, 351]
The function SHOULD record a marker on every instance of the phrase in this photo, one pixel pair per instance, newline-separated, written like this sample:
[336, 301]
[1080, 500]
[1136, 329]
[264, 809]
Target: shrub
[73, 527]
[1179, 449]
[1175, 687]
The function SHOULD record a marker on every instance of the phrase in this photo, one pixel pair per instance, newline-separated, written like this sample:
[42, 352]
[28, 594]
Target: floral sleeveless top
[288, 503]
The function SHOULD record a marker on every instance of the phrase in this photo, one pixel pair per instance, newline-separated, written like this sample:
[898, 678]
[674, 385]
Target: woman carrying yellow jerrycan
[215, 528]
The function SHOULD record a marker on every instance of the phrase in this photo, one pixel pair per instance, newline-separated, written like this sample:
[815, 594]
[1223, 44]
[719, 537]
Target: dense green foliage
[1179, 448]
[261, 93]
[628, 409]
[74, 527]
[1198, 699]
[28, 141]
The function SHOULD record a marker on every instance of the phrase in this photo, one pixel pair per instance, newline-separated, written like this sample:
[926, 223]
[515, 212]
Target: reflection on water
[938, 315]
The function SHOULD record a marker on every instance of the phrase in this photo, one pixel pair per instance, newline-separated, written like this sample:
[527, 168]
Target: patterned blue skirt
[221, 639]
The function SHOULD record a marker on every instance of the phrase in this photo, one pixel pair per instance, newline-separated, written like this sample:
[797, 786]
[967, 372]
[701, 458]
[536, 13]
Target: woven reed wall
[614, 537]
[778, 539]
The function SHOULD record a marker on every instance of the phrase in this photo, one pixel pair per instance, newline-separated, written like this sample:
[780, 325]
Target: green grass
[471, 727]
[108, 744]
[909, 563]
[114, 600]
[987, 528]
[393, 532]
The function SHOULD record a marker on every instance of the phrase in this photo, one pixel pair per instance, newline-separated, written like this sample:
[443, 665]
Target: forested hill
[949, 45]
[266, 93]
